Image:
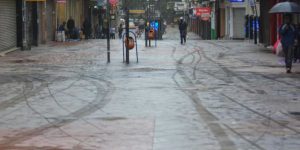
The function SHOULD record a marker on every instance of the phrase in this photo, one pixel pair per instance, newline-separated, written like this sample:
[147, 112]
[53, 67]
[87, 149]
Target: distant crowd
[85, 32]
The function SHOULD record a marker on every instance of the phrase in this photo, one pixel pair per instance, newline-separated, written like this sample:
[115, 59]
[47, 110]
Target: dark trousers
[288, 54]
[120, 34]
[297, 53]
[182, 37]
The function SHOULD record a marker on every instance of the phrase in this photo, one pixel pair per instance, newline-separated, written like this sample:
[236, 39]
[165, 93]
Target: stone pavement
[205, 95]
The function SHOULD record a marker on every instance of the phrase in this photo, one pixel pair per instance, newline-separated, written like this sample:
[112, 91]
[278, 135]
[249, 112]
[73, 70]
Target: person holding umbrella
[287, 31]
[288, 35]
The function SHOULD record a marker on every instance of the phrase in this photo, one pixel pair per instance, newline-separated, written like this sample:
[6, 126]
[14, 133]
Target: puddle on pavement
[113, 118]
[20, 61]
[295, 113]
[149, 69]
[73, 49]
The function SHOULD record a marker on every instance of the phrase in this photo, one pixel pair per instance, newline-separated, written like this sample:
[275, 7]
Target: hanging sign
[202, 10]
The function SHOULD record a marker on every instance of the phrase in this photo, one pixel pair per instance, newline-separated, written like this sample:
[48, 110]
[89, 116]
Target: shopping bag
[275, 46]
[279, 50]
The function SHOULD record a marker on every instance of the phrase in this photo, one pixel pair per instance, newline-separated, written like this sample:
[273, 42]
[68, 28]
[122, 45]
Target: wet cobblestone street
[205, 95]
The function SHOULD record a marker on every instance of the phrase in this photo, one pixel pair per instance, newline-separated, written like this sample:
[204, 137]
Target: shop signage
[236, 1]
[61, 1]
[202, 10]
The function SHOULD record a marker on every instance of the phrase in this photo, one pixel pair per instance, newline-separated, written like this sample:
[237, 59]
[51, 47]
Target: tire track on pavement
[266, 117]
[28, 89]
[99, 102]
[210, 120]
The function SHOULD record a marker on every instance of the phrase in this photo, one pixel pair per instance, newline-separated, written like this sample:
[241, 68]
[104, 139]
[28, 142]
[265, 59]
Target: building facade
[235, 17]
[228, 18]
[26, 23]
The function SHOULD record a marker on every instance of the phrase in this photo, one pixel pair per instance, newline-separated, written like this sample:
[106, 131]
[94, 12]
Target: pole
[25, 44]
[146, 23]
[255, 25]
[127, 30]
[108, 30]
[218, 20]
[44, 31]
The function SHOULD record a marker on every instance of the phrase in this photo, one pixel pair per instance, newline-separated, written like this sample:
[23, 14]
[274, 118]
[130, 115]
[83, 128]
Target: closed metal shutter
[49, 18]
[8, 31]
[238, 23]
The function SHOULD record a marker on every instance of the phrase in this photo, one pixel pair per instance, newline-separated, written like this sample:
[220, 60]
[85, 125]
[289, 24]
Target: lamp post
[255, 19]
[127, 30]
[146, 23]
[108, 30]
[255, 25]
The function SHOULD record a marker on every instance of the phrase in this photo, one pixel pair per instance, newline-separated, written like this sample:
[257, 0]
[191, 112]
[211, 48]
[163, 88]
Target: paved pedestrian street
[204, 95]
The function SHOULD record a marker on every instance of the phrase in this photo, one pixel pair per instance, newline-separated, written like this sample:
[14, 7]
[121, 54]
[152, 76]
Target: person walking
[120, 30]
[297, 48]
[71, 27]
[87, 28]
[288, 36]
[182, 30]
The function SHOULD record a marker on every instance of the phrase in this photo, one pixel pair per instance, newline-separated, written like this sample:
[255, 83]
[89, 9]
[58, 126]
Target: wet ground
[204, 95]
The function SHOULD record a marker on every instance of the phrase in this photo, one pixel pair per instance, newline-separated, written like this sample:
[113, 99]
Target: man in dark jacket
[182, 30]
[120, 30]
[288, 35]
[87, 28]
[71, 27]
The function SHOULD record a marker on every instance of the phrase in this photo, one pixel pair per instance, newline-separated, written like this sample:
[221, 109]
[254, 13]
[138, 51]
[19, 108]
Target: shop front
[66, 9]
[8, 25]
